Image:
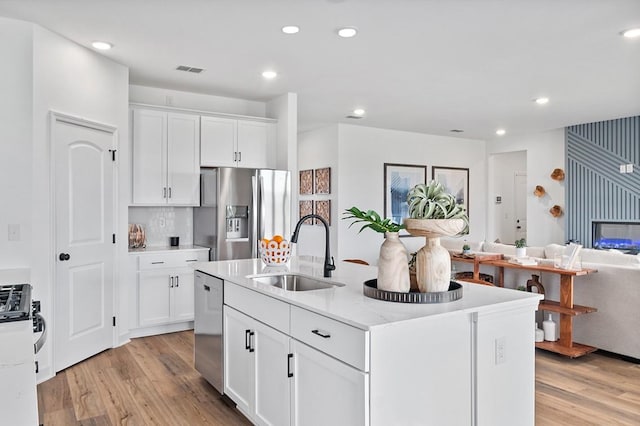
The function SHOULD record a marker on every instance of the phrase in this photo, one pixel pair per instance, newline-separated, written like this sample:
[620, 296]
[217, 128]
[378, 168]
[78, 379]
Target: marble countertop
[348, 304]
[165, 249]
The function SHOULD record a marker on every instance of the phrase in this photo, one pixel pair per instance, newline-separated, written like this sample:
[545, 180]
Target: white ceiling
[419, 65]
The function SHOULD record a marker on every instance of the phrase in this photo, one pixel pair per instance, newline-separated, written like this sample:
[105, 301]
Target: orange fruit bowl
[275, 251]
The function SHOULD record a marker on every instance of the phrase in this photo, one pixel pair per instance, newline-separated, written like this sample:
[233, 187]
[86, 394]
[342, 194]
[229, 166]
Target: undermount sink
[294, 282]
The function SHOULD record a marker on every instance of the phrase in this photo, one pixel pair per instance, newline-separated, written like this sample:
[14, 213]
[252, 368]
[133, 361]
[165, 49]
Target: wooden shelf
[574, 351]
[553, 306]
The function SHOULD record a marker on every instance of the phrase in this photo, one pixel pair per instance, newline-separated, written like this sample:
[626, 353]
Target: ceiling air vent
[189, 69]
[354, 117]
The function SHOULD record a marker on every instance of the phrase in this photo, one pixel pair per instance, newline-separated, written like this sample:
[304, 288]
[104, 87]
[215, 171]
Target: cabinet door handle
[164, 192]
[235, 156]
[191, 260]
[239, 156]
[247, 344]
[289, 369]
[177, 280]
[251, 347]
[157, 263]
[207, 288]
[169, 192]
[171, 282]
[323, 334]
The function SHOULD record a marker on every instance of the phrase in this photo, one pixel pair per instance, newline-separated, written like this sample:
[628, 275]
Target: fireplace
[624, 236]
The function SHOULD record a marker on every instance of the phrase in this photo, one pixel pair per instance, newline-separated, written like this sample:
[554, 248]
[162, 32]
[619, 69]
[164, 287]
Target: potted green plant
[393, 268]
[466, 249]
[521, 247]
[434, 213]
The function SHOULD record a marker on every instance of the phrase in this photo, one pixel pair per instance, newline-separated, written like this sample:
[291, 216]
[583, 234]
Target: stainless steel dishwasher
[209, 358]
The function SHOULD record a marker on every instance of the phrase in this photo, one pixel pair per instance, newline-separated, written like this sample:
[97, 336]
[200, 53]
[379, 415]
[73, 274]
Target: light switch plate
[629, 168]
[623, 168]
[14, 232]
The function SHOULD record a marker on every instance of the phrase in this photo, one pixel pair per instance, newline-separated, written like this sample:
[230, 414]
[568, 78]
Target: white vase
[521, 252]
[393, 266]
[433, 267]
[433, 262]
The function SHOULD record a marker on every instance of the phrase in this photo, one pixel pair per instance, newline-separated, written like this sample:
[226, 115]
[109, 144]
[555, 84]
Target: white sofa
[614, 290]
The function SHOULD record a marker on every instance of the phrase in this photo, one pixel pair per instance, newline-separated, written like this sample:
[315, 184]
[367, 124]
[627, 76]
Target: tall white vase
[433, 262]
[433, 266]
[393, 266]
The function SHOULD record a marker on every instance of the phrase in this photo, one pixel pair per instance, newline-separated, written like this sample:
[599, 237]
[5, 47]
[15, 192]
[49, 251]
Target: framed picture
[323, 209]
[306, 182]
[323, 180]
[306, 207]
[455, 181]
[398, 180]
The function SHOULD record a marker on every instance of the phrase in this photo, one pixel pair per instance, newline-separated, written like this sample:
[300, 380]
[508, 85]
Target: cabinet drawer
[340, 340]
[265, 309]
[171, 260]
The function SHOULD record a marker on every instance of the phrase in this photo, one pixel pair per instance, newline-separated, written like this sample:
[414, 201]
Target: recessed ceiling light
[542, 101]
[631, 33]
[290, 29]
[500, 132]
[358, 111]
[347, 32]
[102, 45]
[269, 75]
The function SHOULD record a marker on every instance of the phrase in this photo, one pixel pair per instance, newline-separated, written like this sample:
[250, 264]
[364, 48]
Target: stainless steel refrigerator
[239, 207]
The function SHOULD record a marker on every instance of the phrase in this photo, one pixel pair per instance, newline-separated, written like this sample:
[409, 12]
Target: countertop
[165, 249]
[348, 304]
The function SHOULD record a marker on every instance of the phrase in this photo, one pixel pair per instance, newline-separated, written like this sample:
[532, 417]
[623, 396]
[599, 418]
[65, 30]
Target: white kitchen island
[334, 356]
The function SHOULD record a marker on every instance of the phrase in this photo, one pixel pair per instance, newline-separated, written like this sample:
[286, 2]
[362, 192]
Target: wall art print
[455, 181]
[323, 209]
[398, 180]
[306, 207]
[323, 180]
[306, 182]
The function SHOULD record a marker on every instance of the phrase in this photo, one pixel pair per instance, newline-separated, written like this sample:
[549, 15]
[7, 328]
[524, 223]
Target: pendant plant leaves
[371, 220]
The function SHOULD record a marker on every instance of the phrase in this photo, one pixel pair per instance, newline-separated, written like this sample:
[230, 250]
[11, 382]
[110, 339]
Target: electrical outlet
[14, 232]
[162, 222]
[501, 348]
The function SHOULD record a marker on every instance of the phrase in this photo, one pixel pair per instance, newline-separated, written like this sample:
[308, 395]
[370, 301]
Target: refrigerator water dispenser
[237, 222]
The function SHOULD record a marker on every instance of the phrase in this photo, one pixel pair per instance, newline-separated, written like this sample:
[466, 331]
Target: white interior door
[520, 208]
[84, 206]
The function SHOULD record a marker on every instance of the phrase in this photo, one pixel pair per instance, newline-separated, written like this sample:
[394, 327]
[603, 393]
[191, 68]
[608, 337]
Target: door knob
[64, 256]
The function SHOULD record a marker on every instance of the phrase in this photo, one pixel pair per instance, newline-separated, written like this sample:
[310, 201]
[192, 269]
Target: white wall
[15, 141]
[71, 79]
[362, 154]
[285, 109]
[318, 149]
[545, 152]
[197, 101]
[504, 167]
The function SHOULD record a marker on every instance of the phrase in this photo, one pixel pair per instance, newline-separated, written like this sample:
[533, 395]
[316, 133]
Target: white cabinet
[165, 158]
[227, 142]
[276, 380]
[164, 291]
[256, 369]
[327, 391]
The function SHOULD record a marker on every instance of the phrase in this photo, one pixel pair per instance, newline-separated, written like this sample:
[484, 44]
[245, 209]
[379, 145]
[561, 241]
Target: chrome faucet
[328, 259]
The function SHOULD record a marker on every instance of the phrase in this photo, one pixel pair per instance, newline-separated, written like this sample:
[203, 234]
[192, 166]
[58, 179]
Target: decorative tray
[370, 288]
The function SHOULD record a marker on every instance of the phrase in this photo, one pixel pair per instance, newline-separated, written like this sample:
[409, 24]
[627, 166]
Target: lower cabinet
[326, 391]
[165, 297]
[276, 380]
[256, 369]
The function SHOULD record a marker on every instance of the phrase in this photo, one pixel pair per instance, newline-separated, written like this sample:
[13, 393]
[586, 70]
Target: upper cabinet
[165, 156]
[227, 142]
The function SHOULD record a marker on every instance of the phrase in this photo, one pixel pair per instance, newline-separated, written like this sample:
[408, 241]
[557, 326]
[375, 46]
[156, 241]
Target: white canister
[550, 330]
[539, 334]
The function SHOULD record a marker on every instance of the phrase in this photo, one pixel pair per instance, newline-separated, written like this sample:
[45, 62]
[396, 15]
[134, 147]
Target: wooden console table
[565, 307]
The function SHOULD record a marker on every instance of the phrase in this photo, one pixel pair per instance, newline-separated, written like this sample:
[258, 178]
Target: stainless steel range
[18, 322]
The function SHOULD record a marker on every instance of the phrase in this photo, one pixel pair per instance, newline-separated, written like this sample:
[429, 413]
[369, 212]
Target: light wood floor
[151, 381]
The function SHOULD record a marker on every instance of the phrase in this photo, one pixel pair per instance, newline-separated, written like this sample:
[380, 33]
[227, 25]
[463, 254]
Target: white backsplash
[160, 223]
